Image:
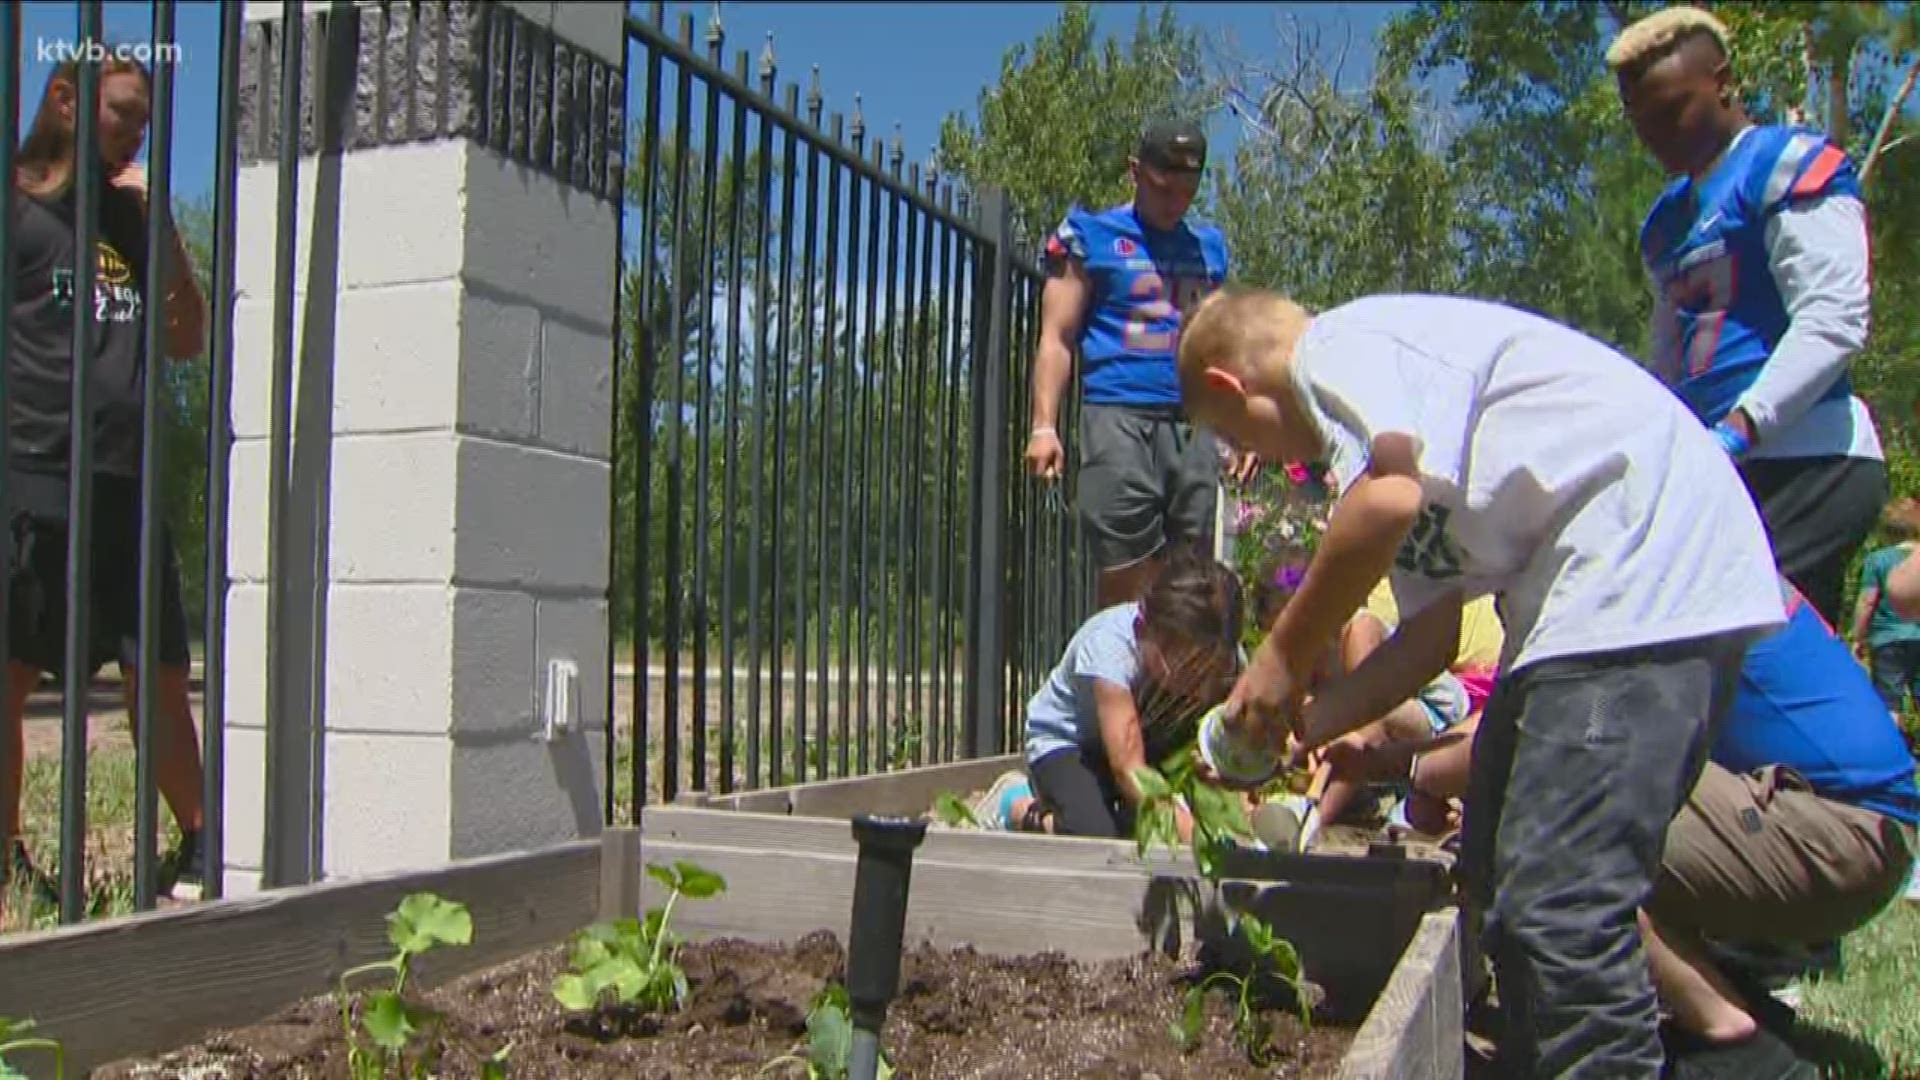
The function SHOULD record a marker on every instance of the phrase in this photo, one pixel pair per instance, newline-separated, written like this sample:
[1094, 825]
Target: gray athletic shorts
[1147, 478]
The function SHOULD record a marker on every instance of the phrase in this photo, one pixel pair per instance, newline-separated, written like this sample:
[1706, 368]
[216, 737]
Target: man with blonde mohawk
[1758, 255]
[1482, 450]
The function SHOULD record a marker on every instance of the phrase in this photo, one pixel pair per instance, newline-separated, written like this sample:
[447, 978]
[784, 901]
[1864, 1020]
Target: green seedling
[1251, 1030]
[1218, 816]
[635, 961]
[828, 1050]
[951, 810]
[377, 1044]
[16, 1038]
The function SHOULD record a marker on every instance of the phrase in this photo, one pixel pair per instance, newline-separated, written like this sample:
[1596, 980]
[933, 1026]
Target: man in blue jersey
[1800, 829]
[1118, 281]
[1758, 255]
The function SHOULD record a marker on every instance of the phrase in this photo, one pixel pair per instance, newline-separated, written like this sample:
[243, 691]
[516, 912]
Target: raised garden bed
[1013, 941]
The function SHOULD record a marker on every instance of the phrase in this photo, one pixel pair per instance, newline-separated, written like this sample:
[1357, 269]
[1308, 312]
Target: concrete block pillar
[448, 517]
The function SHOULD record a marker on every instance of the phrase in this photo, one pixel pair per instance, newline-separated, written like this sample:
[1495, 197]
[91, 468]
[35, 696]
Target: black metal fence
[828, 557]
[74, 521]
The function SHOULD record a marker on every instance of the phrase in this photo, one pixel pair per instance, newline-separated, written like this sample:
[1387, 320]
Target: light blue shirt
[1063, 714]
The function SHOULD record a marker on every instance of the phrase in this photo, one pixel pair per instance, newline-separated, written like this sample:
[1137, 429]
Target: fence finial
[933, 174]
[768, 66]
[815, 99]
[897, 152]
[716, 31]
[857, 124]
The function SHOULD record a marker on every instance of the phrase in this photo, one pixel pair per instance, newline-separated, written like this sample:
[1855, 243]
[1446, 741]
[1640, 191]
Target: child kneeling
[1129, 691]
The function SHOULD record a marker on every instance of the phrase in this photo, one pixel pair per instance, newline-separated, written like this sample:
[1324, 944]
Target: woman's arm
[184, 307]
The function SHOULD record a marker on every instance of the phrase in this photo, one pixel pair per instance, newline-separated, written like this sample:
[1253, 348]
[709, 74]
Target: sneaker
[995, 808]
[19, 867]
[184, 874]
[1762, 1057]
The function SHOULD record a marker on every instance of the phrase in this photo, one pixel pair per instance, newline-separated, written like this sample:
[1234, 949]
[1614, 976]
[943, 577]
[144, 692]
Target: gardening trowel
[1292, 823]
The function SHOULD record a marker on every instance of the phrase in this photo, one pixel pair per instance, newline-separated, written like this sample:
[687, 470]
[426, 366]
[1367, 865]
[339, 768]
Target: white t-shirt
[1557, 474]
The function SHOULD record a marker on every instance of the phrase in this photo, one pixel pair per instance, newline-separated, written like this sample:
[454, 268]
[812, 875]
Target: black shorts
[1818, 512]
[1079, 788]
[1148, 478]
[37, 578]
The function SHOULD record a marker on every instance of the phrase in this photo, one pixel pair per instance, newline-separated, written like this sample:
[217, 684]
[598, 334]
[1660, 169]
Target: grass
[1864, 1024]
[109, 837]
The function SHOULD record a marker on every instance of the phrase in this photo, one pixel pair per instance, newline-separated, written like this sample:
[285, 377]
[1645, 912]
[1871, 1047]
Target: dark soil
[960, 1014]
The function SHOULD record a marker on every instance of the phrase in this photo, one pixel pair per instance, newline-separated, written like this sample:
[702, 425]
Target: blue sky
[913, 63]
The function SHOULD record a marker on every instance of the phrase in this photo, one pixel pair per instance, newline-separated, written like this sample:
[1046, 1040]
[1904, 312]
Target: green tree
[1066, 113]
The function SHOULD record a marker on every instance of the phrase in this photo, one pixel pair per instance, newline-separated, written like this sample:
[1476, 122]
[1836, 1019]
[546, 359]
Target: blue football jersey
[1705, 245]
[1142, 280]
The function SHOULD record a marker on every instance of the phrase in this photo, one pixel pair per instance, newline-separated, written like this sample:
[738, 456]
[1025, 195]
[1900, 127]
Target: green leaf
[667, 878]
[829, 1036]
[698, 882]
[574, 993]
[1151, 784]
[424, 920]
[1259, 934]
[952, 810]
[387, 1021]
[495, 1067]
[588, 952]
[1193, 1017]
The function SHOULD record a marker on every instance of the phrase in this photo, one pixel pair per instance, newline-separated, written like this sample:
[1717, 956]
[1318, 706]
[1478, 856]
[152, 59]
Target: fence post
[987, 641]
[438, 682]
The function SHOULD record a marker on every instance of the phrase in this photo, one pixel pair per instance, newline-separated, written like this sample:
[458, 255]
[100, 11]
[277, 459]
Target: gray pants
[1579, 765]
[1147, 478]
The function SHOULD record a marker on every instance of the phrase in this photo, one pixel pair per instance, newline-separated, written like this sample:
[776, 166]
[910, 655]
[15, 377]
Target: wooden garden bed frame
[146, 984]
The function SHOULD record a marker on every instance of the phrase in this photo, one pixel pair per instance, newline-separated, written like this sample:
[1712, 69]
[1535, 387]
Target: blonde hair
[1659, 34]
[1242, 330]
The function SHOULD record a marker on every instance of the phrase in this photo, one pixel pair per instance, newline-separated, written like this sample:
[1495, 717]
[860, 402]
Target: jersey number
[1149, 294]
[1705, 291]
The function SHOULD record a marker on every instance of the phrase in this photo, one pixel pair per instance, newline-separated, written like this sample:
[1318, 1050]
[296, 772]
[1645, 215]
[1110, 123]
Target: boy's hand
[1265, 702]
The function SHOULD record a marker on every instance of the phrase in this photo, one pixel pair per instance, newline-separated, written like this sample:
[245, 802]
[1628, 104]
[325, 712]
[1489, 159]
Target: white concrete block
[575, 630]
[531, 517]
[499, 384]
[246, 795]
[398, 358]
[246, 656]
[493, 635]
[386, 803]
[389, 658]
[576, 388]
[239, 883]
[531, 236]
[253, 351]
[556, 794]
[596, 27]
[247, 510]
[399, 214]
[393, 507]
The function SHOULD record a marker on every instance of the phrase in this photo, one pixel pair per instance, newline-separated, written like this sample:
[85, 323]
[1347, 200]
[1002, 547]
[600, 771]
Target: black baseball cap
[1174, 145]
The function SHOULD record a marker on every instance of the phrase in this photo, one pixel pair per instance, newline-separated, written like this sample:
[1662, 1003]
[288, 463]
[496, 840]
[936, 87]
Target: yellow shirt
[1481, 637]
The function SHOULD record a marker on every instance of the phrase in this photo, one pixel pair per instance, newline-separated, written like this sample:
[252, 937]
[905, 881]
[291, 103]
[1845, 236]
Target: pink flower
[1297, 474]
[1245, 514]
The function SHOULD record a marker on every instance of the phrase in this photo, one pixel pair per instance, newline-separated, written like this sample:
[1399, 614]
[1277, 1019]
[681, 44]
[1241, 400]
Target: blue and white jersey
[1143, 279]
[1714, 248]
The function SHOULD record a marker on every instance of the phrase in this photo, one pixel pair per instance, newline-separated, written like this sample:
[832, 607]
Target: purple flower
[1288, 578]
[1244, 514]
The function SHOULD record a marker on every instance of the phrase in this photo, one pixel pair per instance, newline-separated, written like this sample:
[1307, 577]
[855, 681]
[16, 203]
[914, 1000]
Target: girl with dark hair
[41, 366]
[1128, 692]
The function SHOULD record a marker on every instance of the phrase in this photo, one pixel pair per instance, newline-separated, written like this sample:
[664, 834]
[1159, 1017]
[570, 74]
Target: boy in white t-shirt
[1480, 449]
